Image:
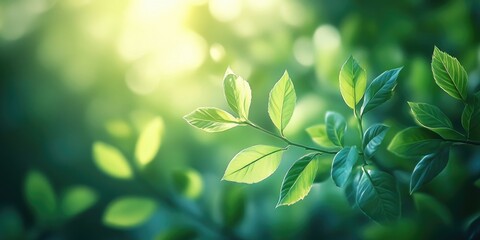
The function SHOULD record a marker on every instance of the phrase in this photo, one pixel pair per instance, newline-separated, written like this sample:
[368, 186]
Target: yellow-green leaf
[281, 103]
[237, 93]
[353, 81]
[211, 119]
[318, 133]
[449, 74]
[149, 141]
[111, 161]
[77, 199]
[128, 212]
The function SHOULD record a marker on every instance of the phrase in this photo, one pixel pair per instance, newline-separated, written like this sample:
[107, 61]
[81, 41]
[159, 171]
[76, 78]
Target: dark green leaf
[78, 199]
[380, 90]
[473, 231]
[324, 168]
[372, 139]
[128, 212]
[281, 102]
[351, 186]
[449, 74]
[471, 115]
[342, 165]
[237, 93]
[178, 233]
[353, 81]
[211, 119]
[40, 195]
[429, 167]
[319, 135]
[336, 127]
[432, 208]
[415, 142]
[233, 203]
[433, 118]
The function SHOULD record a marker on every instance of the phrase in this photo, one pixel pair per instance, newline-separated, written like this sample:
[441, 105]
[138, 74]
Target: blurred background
[78, 72]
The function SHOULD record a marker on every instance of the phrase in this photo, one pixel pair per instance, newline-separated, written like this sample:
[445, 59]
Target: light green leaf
[237, 93]
[211, 119]
[415, 142]
[378, 196]
[111, 161]
[253, 164]
[433, 118]
[471, 115]
[281, 102]
[372, 139]
[188, 182]
[342, 165]
[149, 141]
[318, 133]
[380, 90]
[128, 212]
[429, 167]
[232, 205]
[350, 189]
[449, 74]
[431, 207]
[77, 199]
[353, 81]
[40, 195]
[298, 180]
[336, 127]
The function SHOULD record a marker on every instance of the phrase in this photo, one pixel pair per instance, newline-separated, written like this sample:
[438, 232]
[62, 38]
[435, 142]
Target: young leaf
[111, 161]
[253, 164]
[353, 81]
[128, 212]
[212, 119]
[426, 204]
[429, 167]
[350, 189]
[232, 205]
[380, 90]
[298, 180]
[318, 133]
[237, 93]
[281, 102]
[336, 126]
[149, 141]
[342, 165]
[378, 196]
[372, 139]
[433, 118]
[415, 142]
[471, 115]
[449, 74]
[40, 195]
[77, 199]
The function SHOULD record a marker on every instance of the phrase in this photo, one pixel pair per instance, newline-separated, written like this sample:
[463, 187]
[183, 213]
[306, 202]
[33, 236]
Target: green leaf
[237, 93]
[449, 74]
[111, 161]
[336, 127]
[380, 90]
[378, 196]
[232, 205]
[429, 167]
[298, 180]
[281, 102]
[128, 212]
[178, 233]
[324, 168]
[473, 231]
[477, 183]
[415, 142]
[342, 165]
[350, 189]
[211, 119]
[318, 133]
[77, 199]
[433, 118]
[372, 139]
[188, 182]
[40, 195]
[149, 141]
[253, 164]
[431, 207]
[471, 115]
[353, 81]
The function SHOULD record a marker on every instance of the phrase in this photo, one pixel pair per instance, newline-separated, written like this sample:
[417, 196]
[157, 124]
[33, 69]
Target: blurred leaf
[40, 195]
[373, 138]
[415, 142]
[233, 203]
[188, 182]
[128, 212]
[211, 119]
[298, 180]
[149, 141]
[111, 161]
[403, 229]
[477, 183]
[449, 74]
[471, 115]
[324, 168]
[336, 126]
[473, 231]
[281, 102]
[380, 90]
[429, 167]
[178, 233]
[318, 133]
[342, 165]
[238, 94]
[378, 196]
[77, 199]
[352, 185]
[433, 118]
[253, 164]
[430, 206]
[353, 81]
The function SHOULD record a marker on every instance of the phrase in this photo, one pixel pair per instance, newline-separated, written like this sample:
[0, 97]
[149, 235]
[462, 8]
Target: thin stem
[360, 127]
[471, 142]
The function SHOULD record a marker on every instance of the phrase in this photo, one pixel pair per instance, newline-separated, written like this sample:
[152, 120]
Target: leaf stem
[470, 142]
[360, 127]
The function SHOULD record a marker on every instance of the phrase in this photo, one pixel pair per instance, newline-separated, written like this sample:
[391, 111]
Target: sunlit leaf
[237, 93]
[40, 195]
[298, 180]
[128, 212]
[318, 133]
[372, 139]
[353, 81]
[233, 204]
[449, 74]
[336, 127]
[433, 118]
[281, 102]
[188, 182]
[253, 164]
[77, 199]
[342, 165]
[211, 119]
[415, 142]
[149, 141]
[178, 233]
[378, 196]
[380, 90]
[429, 167]
[426, 204]
[111, 161]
